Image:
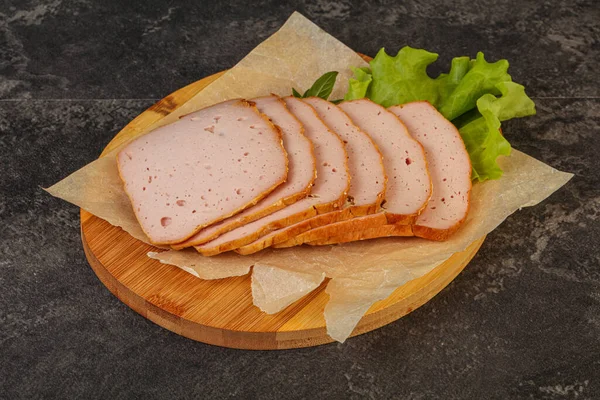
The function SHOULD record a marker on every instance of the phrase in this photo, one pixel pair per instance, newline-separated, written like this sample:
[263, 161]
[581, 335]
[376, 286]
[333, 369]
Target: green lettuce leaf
[485, 143]
[513, 102]
[482, 136]
[449, 82]
[359, 84]
[466, 95]
[467, 117]
[480, 79]
[403, 78]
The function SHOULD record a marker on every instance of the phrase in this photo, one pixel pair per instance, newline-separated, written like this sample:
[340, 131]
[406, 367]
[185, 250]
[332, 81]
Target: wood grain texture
[220, 312]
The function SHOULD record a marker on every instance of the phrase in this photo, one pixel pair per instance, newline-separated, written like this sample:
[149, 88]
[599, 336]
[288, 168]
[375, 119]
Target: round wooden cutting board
[220, 312]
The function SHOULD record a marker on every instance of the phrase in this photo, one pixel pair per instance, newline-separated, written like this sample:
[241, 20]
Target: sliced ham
[409, 185]
[333, 230]
[205, 167]
[328, 192]
[365, 161]
[367, 186]
[449, 166]
[301, 174]
[364, 234]
[450, 170]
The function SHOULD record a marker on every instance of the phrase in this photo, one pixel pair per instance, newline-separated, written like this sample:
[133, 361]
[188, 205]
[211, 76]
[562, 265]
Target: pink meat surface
[328, 193]
[367, 185]
[301, 174]
[449, 166]
[365, 161]
[409, 185]
[201, 169]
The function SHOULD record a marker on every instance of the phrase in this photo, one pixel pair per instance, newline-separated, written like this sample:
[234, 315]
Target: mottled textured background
[522, 320]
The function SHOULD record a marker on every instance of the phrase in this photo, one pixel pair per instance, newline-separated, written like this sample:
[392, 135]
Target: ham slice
[409, 185]
[367, 185]
[328, 192]
[364, 234]
[301, 174]
[205, 167]
[334, 230]
[450, 170]
[449, 165]
[365, 161]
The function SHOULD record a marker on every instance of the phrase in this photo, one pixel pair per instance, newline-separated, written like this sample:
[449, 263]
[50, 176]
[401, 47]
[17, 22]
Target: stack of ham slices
[244, 175]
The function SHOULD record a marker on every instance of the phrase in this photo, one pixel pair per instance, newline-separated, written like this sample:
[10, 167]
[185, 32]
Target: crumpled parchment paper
[361, 273]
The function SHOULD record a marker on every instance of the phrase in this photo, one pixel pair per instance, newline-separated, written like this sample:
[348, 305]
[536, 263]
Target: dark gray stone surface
[522, 320]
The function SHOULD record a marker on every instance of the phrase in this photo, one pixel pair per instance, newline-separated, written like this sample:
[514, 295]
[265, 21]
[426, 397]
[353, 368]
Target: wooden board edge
[266, 340]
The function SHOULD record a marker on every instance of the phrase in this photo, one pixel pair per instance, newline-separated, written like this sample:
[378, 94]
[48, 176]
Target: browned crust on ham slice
[364, 234]
[448, 158]
[329, 233]
[439, 235]
[435, 145]
[404, 219]
[314, 209]
[308, 213]
[319, 226]
[393, 217]
[282, 203]
[335, 229]
[296, 230]
[239, 220]
[253, 201]
[363, 168]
